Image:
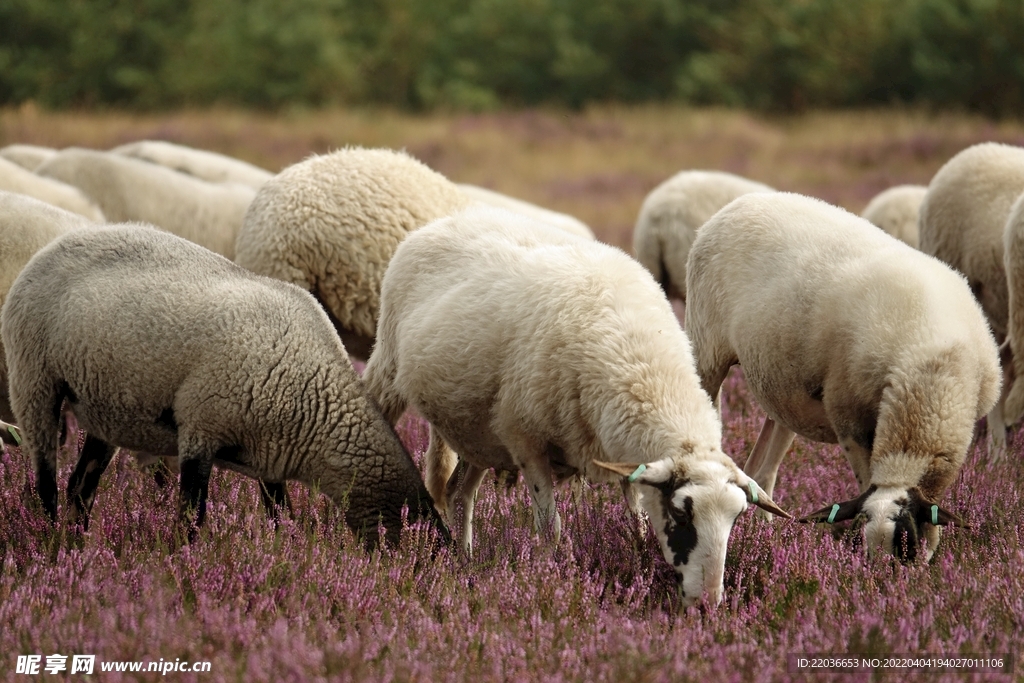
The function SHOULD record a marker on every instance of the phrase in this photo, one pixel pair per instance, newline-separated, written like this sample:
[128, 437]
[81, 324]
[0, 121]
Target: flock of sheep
[213, 322]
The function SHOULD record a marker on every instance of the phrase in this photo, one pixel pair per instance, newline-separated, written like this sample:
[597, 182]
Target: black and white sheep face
[693, 507]
[896, 521]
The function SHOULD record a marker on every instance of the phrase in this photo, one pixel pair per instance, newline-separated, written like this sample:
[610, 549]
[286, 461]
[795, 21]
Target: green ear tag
[832, 515]
[753, 491]
[636, 473]
[14, 433]
[935, 515]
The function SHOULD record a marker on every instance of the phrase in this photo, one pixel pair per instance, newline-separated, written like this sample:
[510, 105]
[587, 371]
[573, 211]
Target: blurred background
[782, 55]
[579, 105]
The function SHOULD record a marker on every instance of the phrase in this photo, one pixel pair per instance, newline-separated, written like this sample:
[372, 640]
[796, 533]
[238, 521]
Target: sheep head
[693, 504]
[895, 520]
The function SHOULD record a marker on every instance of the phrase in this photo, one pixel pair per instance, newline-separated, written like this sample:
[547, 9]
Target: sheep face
[896, 521]
[693, 505]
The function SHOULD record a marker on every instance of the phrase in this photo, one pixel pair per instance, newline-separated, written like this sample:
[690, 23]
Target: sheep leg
[96, 455]
[471, 481]
[996, 432]
[41, 418]
[530, 458]
[195, 464]
[763, 464]
[439, 462]
[274, 495]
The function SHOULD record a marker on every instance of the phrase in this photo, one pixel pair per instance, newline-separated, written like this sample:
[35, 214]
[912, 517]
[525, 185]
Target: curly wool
[331, 223]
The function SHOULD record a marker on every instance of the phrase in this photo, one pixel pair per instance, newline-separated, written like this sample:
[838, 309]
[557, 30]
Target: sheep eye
[682, 514]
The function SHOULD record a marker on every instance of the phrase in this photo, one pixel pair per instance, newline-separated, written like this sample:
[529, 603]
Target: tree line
[781, 55]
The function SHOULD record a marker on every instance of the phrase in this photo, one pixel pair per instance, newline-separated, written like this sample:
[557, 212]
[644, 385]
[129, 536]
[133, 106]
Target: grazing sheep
[526, 346]
[28, 157]
[559, 220]
[208, 166]
[845, 335]
[895, 210]
[330, 224]
[672, 214]
[162, 346]
[1013, 261]
[131, 190]
[26, 226]
[14, 178]
[962, 223]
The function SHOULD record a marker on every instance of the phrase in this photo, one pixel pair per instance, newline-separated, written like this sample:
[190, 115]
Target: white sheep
[28, 157]
[671, 216]
[208, 166]
[895, 211]
[26, 226]
[126, 189]
[555, 218]
[330, 224]
[14, 178]
[529, 347]
[962, 223]
[1013, 262]
[845, 335]
[160, 345]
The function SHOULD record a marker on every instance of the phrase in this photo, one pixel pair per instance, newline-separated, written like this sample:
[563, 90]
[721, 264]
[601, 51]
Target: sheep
[895, 210]
[26, 226]
[671, 216]
[962, 222]
[28, 157]
[131, 190]
[845, 335]
[526, 346]
[559, 220]
[1013, 263]
[160, 345]
[208, 166]
[330, 224]
[14, 178]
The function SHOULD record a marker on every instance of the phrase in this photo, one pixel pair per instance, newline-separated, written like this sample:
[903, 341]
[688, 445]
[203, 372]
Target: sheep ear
[932, 513]
[840, 512]
[837, 512]
[757, 496]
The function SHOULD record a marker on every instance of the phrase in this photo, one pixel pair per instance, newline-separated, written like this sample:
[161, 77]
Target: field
[304, 602]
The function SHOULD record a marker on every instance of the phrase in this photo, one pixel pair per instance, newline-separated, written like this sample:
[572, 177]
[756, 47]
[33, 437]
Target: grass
[303, 602]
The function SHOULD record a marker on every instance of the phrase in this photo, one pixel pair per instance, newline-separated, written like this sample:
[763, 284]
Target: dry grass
[597, 165]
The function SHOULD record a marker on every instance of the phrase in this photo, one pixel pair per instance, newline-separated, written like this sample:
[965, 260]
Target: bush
[478, 54]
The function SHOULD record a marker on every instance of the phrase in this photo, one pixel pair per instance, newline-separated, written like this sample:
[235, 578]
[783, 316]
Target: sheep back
[672, 214]
[331, 223]
[963, 216]
[896, 210]
[14, 178]
[208, 166]
[29, 157]
[128, 189]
